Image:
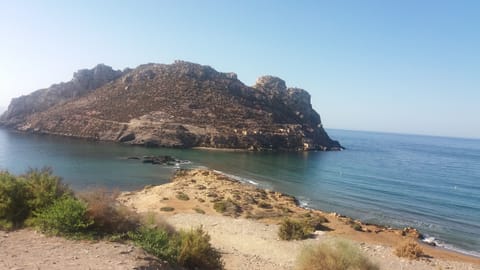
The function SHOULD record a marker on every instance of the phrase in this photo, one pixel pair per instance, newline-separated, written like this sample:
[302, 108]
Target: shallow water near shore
[430, 183]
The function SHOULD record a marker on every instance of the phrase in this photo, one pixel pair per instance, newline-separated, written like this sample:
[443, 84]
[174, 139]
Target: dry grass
[108, 215]
[409, 249]
[334, 255]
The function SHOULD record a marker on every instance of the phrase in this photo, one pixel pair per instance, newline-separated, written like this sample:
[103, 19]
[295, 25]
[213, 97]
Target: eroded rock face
[178, 105]
[83, 82]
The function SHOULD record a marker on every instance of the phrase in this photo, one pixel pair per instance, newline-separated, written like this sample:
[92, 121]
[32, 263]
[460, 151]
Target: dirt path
[244, 244]
[26, 249]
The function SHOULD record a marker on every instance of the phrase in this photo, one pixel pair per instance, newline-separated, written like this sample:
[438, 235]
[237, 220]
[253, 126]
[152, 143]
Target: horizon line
[408, 134]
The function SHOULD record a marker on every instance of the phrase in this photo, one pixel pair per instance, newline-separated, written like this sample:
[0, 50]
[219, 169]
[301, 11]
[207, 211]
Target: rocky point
[180, 105]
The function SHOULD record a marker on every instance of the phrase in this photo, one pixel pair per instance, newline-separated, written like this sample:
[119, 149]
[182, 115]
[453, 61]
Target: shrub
[44, 188]
[357, 227]
[21, 196]
[264, 205]
[198, 210]
[13, 201]
[334, 255]
[409, 249]
[167, 209]
[108, 215]
[66, 216]
[220, 206]
[228, 208]
[182, 196]
[190, 249]
[157, 241]
[196, 252]
[294, 230]
[316, 222]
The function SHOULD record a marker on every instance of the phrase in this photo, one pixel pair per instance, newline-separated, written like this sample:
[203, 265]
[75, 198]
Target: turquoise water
[430, 183]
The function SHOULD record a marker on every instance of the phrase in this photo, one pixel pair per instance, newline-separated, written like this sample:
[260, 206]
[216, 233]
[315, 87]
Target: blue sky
[394, 66]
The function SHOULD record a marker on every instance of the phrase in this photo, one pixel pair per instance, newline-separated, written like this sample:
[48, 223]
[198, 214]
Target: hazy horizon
[409, 67]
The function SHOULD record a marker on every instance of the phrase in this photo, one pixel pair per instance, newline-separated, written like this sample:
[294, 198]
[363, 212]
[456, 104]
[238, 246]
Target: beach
[247, 236]
[242, 221]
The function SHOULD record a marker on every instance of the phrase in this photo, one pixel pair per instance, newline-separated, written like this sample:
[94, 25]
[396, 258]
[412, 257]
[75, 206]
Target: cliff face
[178, 105]
[84, 81]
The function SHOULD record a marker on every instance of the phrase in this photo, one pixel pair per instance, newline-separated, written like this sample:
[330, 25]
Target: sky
[410, 66]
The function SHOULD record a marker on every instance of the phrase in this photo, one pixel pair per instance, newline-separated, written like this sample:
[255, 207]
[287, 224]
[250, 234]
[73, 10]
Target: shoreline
[305, 205]
[205, 187]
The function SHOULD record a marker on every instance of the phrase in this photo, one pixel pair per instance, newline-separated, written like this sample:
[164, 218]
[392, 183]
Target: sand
[248, 238]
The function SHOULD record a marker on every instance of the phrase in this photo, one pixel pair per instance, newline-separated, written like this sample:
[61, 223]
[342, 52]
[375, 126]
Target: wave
[239, 178]
[430, 240]
[181, 163]
[304, 202]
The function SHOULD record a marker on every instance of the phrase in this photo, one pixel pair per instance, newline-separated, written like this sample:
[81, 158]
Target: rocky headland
[180, 105]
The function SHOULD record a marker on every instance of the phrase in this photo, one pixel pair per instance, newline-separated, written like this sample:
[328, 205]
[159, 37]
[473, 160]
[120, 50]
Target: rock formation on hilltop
[84, 81]
[178, 105]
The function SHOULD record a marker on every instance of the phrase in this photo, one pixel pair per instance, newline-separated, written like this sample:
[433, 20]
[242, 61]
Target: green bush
[23, 195]
[294, 230]
[334, 255]
[196, 252]
[44, 188]
[190, 249]
[66, 216]
[167, 209]
[158, 242]
[13, 201]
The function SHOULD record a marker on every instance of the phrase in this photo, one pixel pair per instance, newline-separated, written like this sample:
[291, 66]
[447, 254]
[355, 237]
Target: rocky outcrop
[84, 81]
[178, 105]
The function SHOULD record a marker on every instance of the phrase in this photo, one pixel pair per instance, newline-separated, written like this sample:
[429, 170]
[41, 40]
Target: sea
[429, 183]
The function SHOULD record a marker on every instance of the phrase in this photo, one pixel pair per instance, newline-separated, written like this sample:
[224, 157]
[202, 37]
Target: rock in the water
[160, 160]
[179, 105]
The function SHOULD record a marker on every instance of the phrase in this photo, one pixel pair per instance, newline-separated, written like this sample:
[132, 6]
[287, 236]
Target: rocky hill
[178, 105]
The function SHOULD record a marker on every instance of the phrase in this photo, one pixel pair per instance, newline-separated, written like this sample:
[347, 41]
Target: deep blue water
[431, 183]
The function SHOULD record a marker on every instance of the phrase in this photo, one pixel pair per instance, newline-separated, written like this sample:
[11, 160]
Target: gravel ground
[247, 244]
[26, 249]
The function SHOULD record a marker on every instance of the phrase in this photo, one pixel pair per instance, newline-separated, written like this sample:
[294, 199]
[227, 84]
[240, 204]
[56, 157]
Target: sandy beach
[248, 238]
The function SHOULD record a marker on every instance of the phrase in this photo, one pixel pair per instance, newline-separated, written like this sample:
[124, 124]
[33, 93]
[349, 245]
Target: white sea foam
[304, 202]
[430, 240]
[238, 178]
